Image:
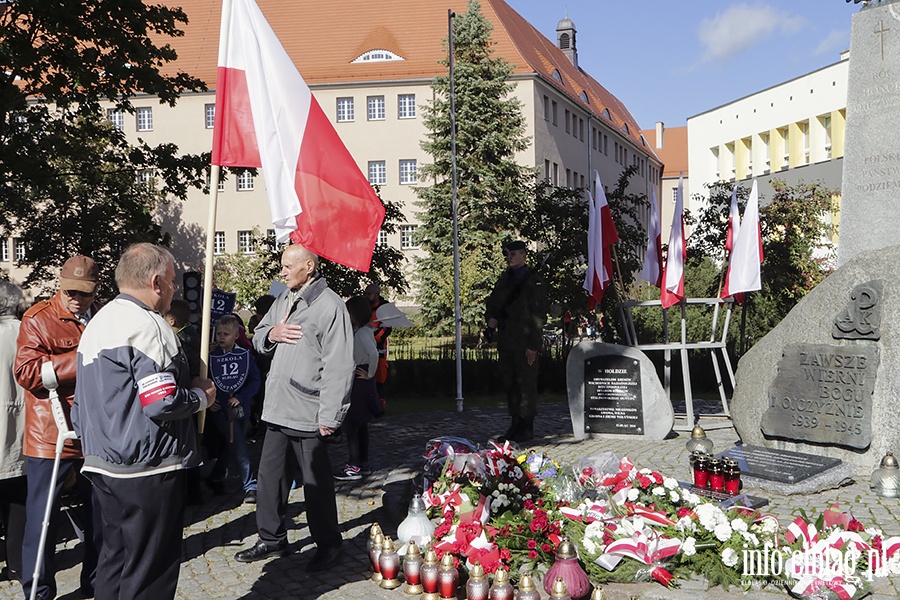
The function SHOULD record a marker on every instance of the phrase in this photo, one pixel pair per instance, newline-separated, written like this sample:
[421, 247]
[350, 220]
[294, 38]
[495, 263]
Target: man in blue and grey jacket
[134, 399]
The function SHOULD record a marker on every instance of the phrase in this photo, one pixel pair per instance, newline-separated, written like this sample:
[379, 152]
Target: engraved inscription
[612, 395]
[823, 394]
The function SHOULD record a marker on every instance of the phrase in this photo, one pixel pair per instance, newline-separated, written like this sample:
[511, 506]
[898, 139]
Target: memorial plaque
[612, 395]
[823, 394]
[782, 466]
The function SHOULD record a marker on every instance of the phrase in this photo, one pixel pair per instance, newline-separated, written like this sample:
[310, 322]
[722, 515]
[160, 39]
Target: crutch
[48, 375]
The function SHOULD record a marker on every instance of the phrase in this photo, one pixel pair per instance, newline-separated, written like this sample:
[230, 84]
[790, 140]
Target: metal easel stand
[715, 343]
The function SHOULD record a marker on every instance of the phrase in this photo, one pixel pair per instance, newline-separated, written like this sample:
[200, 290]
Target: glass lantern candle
[716, 476]
[416, 526]
[701, 470]
[478, 586]
[699, 441]
[429, 571]
[886, 478]
[559, 591]
[374, 553]
[527, 589]
[448, 577]
[501, 589]
[567, 567]
[732, 477]
[412, 569]
[389, 565]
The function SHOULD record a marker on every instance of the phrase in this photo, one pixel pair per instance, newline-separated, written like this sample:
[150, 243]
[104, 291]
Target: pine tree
[492, 187]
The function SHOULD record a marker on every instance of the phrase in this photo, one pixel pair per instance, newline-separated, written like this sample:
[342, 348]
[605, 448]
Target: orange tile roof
[324, 39]
[674, 152]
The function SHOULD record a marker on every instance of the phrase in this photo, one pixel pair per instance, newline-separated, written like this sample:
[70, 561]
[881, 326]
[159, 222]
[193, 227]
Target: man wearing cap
[50, 332]
[516, 311]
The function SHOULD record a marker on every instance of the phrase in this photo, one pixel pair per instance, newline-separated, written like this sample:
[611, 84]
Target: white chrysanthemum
[495, 493]
[706, 514]
[739, 525]
[633, 494]
[645, 471]
[659, 491]
[768, 526]
[685, 524]
[673, 496]
[689, 547]
[670, 483]
[504, 499]
[593, 537]
[690, 497]
[873, 531]
[722, 532]
[495, 505]
[750, 538]
[518, 473]
[729, 557]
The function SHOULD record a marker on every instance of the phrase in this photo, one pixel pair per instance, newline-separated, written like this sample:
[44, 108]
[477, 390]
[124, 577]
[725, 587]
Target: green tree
[73, 182]
[493, 187]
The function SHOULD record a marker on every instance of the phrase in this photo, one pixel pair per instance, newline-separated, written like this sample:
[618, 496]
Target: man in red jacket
[50, 332]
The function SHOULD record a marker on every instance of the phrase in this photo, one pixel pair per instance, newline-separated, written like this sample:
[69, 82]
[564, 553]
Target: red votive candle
[716, 476]
[701, 474]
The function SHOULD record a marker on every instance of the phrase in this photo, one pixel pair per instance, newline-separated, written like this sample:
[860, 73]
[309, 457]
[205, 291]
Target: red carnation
[532, 554]
[876, 542]
[855, 525]
[657, 477]
[528, 504]
[531, 544]
[683, 512]
[505, 554]
[546, 548]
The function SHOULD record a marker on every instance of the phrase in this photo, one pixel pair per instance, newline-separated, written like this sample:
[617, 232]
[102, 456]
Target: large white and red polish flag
[267, 117]
[672, 291]
[602, 233]
[652, 269]
[743, 273]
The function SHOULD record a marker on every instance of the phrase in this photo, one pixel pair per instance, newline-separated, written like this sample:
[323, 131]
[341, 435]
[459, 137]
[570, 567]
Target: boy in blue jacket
[237, 380]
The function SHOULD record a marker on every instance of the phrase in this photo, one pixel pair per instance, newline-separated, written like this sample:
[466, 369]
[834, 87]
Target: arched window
[376, 56]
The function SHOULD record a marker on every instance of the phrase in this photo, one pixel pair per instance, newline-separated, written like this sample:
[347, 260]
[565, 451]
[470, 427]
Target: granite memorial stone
[870, 188]
[615, 389]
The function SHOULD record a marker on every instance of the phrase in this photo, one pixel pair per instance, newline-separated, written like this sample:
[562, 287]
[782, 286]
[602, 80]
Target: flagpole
[453, 185]
[208, 283]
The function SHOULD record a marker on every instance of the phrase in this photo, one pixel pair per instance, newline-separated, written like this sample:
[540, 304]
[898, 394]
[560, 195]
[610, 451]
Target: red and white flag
[602, 233]
[734, 222]
[267, 117]
[652, 270]
[743, 273]
[672, 291]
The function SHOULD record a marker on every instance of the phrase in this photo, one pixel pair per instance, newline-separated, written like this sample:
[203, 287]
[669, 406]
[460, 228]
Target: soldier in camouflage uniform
[516, 311]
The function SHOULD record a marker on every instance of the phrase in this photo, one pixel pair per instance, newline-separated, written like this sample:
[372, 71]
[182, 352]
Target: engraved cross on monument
[870, 188]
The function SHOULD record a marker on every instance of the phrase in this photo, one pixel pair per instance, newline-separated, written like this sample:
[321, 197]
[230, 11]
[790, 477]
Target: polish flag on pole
[734, 222]
[743, 267]
[602, 233]
[652, 270]
[672, 291]
[267, 117]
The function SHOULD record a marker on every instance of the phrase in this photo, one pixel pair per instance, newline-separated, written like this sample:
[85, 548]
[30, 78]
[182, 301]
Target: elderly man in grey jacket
[307, 333]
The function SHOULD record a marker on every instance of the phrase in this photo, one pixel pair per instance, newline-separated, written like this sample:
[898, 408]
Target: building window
[764, 138]
[382, 238]
[605, 144]
[568, 128]
[244, 181]
[345, 110]
[116, 117]
[568, 178]
[730, 149]
[245, 242]
[219, 243]
[377, 172]
[376, 108]
[715, 162]
[406, 106]
[785, 148]
[407, 237]
[145, 177]
[748, 142]
[581, 129]
[547, 170]
[19, 249]
[804, 133]
[826, 125]
[546, 108]
[555, 177]
[4, 251]
[209, 115]
[145, 118]
[553, 111]
[408, 171]
[674, 195]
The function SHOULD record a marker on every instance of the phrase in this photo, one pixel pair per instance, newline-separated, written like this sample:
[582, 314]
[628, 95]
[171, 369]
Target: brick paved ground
[222, 526]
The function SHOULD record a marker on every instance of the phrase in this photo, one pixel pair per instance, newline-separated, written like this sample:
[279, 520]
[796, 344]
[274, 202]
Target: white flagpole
[206, 315]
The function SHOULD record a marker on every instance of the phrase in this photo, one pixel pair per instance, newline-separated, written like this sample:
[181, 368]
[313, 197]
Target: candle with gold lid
[886, 478]
[430, 569]
[448, 577]
[501, 589]
[478, 585]
[389, 565]
[559, 590]
[412, 569]
[527, 591]
[374, 553]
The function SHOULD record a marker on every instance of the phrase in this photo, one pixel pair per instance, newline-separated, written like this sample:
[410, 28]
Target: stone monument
[615, 390]
[826, 379]
[870, 190]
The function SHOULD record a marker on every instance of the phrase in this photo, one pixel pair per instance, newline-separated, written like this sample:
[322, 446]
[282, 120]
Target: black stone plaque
[823, 394]
[612, 395]
[782, 466]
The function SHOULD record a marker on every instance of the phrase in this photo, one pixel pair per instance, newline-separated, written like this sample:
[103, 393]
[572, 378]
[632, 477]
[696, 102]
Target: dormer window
[557, 76]
[376, 56]
[606, 114]
[625, 127]
[584, 97]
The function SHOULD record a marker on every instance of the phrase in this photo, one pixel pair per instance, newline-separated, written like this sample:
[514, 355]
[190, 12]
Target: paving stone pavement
[223, 525]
